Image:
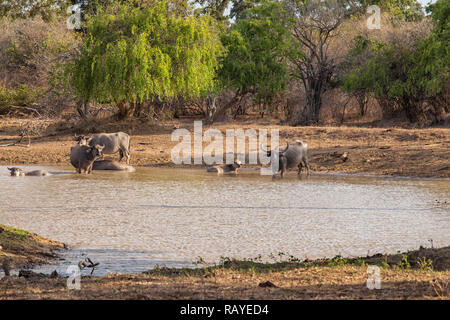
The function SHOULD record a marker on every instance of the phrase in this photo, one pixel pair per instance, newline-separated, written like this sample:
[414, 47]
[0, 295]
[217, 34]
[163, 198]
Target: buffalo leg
[300, 167]
[307, 165]
[283, 166]
[121, 155]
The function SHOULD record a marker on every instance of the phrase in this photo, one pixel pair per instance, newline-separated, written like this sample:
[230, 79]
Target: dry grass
[312, 282]
[336, 278]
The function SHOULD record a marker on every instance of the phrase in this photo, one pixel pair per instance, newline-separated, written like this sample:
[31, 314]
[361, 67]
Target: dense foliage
[403, 74]
[256, 46]
[213, 56]
[46, 9]
[140, 54]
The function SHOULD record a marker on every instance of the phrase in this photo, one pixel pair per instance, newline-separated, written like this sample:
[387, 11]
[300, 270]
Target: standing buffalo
[294, 155]
[82, 156]
[18, 172]
[113, 142]
[228, 168]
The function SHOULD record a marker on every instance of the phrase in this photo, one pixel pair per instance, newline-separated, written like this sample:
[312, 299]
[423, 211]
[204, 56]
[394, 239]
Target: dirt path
[385, 151]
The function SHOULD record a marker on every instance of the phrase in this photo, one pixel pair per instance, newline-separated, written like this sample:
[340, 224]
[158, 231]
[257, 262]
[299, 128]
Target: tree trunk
[83, 109]
[413, 109]
[125, 109]
[222, 110]
[362, 99]
[137, 109]
[310, 113]
[210, 108]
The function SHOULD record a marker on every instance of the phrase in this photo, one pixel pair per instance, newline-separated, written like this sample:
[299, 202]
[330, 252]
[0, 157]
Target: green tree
[431, 68]
[402, 75]
[145, 54]
[255, 48]
[47, 9]
[385, 75]
[404, 10]
[221, 10]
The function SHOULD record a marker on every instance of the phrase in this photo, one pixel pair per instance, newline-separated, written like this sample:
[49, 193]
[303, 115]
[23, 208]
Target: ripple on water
[130, 222]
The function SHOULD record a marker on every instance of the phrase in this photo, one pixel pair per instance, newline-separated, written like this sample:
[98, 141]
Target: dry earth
[19, 248]
[419, 274]
[330, 279]
[383, 151]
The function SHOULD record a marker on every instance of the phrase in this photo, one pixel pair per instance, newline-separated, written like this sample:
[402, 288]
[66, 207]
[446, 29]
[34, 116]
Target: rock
[30, 274]
[267, 284]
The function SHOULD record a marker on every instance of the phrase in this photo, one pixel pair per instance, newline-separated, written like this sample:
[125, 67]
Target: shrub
[21, 96]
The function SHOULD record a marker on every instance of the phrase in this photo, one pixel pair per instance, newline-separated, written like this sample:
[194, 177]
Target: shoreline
[23, 249]
[422, 153]
[416, 274]
[290, 173]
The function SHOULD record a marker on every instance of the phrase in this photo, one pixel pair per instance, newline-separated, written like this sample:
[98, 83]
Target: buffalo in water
[293, 155]
[82, 157]
[112, 142]
[227, 168]
[111, 165]
[18, 172]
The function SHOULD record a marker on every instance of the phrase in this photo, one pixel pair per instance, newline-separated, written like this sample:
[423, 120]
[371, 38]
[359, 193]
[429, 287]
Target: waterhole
[130, 222]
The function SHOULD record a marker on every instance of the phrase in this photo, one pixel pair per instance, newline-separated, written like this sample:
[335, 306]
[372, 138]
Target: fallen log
[17, 143]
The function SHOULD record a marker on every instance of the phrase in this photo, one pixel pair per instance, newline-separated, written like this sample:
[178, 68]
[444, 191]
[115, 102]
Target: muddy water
[129, 222]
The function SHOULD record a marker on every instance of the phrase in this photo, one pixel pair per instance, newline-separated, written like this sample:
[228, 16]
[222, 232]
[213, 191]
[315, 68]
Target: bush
[31, 51]
[405, 71]
[22, 96]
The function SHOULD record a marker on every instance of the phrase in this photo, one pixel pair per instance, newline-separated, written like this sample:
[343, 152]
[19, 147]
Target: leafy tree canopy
[255, 47]
[136, 54]
[46, 9]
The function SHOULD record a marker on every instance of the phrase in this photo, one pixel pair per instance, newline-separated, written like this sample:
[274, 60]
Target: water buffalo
[81, 140]
[111, 165]
[293, 155]
[113, 142]
[18, 172]
[227, 168]
[82, 156]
